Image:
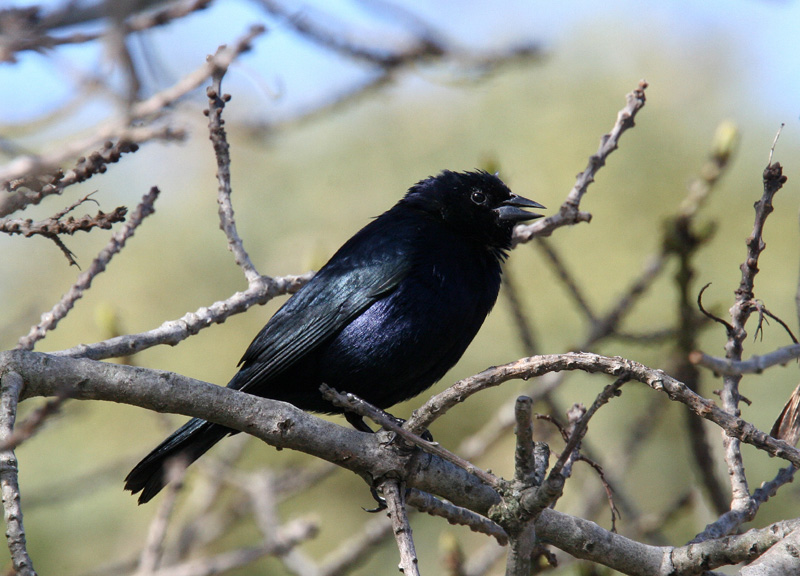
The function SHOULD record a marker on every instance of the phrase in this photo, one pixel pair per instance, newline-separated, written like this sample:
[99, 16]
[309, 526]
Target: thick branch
[277, 423]
[283, 425]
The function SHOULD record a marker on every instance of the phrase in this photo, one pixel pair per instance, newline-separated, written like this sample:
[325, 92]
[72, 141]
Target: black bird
[389, 314]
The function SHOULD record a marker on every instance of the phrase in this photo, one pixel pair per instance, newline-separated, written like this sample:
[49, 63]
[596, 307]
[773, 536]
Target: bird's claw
[379, 499]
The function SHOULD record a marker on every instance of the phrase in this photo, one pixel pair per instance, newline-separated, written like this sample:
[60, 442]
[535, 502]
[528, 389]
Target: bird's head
[477, 204]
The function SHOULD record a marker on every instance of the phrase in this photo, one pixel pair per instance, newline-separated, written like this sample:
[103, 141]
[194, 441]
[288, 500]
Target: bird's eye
[478, 197]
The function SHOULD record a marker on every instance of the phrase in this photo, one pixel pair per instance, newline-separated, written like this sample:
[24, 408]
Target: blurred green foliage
[300, 193]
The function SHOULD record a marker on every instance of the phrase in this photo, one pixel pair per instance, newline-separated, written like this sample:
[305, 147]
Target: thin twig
[608, 324]
[742, 501]
[334, 40]
[172, 332]
[356, 549]
[400, 526]
[754, 365]
[578, 430]
[731, 521]
[28, 427]
[216, 104]
[51, 319]
[53, 226]
[353, 403]
[429, 504]
[120, 128]
[32, 188]
[569, 212]
[594, 363]
[683, 239]
[521, 321]
[154, 544]
[290, 535]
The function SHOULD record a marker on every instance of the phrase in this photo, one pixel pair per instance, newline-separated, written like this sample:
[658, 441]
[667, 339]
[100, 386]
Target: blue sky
[764, 33]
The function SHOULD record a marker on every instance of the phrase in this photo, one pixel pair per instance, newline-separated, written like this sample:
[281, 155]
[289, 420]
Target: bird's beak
[511, 210]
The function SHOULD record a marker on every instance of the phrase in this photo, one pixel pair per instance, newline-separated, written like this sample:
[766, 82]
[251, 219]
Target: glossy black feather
[389, 314]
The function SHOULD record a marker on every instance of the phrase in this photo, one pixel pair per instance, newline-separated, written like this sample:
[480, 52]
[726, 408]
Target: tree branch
[753, 365]
[11, 384]
[216, 104]
[569, 212]
[285, 426]
[24, 166]
[656, 379]
[401, 527]
[51, 319]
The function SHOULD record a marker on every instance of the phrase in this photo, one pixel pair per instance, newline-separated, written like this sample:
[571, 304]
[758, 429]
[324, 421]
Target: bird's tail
[189, 442]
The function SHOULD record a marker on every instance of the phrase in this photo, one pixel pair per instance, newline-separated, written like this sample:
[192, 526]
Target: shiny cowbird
[389, 314]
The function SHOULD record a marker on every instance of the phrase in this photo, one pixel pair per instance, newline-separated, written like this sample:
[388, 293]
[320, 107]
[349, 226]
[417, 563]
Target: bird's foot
[379, 499]
[358, 423]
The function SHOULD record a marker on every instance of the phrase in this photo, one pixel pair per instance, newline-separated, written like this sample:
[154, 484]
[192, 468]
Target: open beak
[511, 210]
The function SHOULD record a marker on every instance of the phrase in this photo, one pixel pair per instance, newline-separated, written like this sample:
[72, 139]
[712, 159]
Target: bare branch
[357, 548]
[283, 425]
[216, 104]
[28, 427]
[27, 29]
[524, 461]
[120, 128]
[578, 430]
[566, 278]
[353, 403]
[40, 185]
[429, 504]
[54, 226]
[335, 41]
[277, 423]
[400, 526]
[289, 536]
[781, 558]
[174, 331]
[28, 166]
[658, 380]
[570, 210]
[11, 385]
[753, 365]
[154, 545]
[742, 501]
[51, 319]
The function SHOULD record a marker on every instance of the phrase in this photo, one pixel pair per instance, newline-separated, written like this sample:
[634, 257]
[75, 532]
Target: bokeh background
[302, 188]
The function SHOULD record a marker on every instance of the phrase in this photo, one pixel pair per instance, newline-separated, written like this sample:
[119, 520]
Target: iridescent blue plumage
[389, 314]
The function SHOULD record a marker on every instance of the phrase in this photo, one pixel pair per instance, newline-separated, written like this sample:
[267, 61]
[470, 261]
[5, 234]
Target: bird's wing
[335, 296]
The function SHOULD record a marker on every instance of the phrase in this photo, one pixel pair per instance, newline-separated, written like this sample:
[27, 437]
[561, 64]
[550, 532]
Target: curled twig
[707, 314]
[525, 368]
